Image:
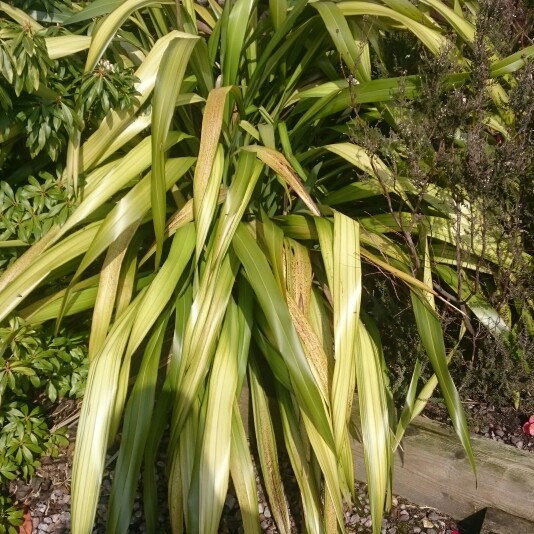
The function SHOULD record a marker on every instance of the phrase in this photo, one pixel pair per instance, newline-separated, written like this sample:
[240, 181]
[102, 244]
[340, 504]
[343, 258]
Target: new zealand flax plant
[227, 205]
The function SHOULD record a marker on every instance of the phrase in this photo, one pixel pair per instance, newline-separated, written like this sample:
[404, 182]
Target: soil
[46, 497]
[502, 424]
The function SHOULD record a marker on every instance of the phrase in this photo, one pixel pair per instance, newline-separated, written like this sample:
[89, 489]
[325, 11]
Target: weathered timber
[499, 522]
[432, 470]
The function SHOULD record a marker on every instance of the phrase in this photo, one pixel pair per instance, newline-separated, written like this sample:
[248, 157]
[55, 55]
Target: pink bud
[531, 429]
[531, 419]
[526, 427]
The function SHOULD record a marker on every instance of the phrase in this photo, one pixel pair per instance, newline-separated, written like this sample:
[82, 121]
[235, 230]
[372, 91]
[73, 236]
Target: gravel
[46, 497]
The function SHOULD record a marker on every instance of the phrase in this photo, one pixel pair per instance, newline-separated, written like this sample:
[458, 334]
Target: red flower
[528, 427]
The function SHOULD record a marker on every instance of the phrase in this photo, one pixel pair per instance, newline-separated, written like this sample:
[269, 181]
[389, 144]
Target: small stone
[267, 512]
[44, 527]
[260, 508]
[431, 531]
[230, 501]
[264, 524]
[354, 519]
[394, 501]
[433, 516]
[392, 530]
[368, 523]
[404, 517]
[416, 530]
[499, 432]
[519, 444]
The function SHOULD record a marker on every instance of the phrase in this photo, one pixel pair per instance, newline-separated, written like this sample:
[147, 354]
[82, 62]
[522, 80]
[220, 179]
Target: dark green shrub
[11, 517]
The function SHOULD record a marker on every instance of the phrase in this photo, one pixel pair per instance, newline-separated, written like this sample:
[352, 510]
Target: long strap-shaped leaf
[311, 501]
[25, 276]
[339, 31]
[429, 37]
[109, 133]
[106, 31]
[137, 421]
[431, 333]
[375, 423]
[279, 164]
[243, 476]
[267, 450]
[233, 31]
[214, 467]
[169, 81]
[269, 297]
[107, 290]
[209, 169]
[93, 428]
[101, 404]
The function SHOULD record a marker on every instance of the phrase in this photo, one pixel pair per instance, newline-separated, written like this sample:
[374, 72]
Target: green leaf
[214, 459]
[431, 334]
[169, 80]
[233, 31]
[267, 451]
[137, 418]
[106, 31]
[277, 315]
[95, 419]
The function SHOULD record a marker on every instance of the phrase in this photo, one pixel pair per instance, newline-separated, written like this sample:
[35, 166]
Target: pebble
[354, 519]
[416, 530]
[230, 501]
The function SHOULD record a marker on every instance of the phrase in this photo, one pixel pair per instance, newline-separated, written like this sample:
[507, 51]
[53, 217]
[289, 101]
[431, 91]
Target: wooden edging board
[431, 469]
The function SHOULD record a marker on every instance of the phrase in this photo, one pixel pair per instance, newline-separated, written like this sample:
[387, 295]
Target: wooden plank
[499, 522]
[431, 470]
